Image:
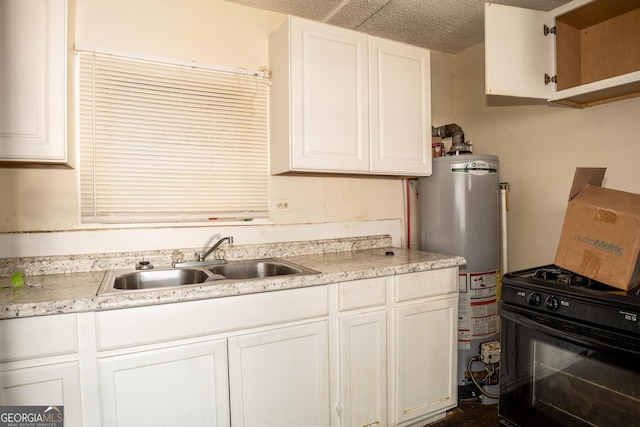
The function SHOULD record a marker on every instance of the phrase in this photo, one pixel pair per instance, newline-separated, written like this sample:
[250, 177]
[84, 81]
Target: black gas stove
[553, 291]
[570, 351]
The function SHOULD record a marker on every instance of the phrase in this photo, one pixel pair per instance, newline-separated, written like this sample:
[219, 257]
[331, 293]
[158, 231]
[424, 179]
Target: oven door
[558, 373]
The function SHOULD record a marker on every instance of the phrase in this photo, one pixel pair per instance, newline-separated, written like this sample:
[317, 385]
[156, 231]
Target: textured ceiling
[443, 25]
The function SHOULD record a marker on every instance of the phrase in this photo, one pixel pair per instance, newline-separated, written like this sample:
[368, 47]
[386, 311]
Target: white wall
[539, 146]
[214, 32]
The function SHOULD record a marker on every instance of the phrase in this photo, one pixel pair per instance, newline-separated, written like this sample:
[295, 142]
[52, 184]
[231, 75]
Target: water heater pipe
[504, 207]
[453, 131]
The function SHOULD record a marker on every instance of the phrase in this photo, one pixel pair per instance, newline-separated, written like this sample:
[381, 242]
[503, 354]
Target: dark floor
[470, 414]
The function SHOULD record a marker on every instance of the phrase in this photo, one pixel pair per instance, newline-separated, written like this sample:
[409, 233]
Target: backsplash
[35, 266]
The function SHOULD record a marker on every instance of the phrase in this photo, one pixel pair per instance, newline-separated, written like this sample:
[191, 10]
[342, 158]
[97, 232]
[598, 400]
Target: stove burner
[547, 273]
[559, 275]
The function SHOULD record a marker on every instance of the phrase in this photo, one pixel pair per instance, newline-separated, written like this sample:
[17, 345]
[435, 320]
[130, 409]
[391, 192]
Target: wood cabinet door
[33, 54]
[517, 53]
[174, 386]
[400, 108]
[363, 369]
[329, 98]
[280, 377]
[425, 345]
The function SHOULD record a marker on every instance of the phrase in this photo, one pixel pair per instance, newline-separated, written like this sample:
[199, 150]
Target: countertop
[77, 292]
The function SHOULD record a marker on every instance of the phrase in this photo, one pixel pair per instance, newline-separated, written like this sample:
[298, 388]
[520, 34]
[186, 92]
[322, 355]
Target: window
[165, 142]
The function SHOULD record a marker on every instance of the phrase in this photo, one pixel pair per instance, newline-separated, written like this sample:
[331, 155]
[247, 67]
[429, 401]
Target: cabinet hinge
[548, 30]
[550, 79]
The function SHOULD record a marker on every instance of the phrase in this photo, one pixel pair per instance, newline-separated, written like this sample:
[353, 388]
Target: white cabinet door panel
[400, 86]
[280, 377]
[33, 56]
[517, 53]
[177, 386]
[425, 364]
[363, 369]
[329, 98]
[48, 385]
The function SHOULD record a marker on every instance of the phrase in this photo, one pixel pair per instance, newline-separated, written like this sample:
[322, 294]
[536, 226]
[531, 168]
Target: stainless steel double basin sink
[134, 280]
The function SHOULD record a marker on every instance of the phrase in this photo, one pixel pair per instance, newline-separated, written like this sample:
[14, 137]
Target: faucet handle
[177, 257]
[144, 264]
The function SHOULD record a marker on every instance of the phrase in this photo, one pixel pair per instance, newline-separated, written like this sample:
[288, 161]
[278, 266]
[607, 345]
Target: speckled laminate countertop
[77, 292]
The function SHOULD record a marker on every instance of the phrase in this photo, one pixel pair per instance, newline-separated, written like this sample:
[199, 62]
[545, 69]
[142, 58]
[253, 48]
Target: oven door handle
[562, 333]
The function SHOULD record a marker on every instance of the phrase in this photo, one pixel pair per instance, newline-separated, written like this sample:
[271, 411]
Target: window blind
[170, 142]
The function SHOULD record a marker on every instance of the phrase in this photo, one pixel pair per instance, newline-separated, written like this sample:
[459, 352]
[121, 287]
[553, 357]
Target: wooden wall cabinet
[33, 54]
[581, 54]
[345, 102]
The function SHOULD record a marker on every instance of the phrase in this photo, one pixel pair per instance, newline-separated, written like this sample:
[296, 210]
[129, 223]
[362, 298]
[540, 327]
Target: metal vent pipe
[453, 131]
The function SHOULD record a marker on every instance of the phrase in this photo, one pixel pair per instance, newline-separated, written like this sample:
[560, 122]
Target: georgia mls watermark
[31, 416]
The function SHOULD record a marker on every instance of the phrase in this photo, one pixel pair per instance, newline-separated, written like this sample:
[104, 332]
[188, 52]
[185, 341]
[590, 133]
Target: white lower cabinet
[181, 385]
[363, 369]
[379, 351]
[273, 377]
[398, 348]
[56, 384]
[280, 377]
[425, 359]
[39, 364]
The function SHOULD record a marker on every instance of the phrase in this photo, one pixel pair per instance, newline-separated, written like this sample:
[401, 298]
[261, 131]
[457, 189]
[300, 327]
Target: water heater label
[476, 167]
[477, 307]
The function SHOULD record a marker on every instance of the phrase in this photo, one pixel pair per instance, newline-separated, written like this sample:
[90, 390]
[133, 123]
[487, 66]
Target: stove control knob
[552, 303]
[534, 299]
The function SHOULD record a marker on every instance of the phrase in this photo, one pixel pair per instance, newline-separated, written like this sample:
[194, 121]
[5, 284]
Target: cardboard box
[600, 237]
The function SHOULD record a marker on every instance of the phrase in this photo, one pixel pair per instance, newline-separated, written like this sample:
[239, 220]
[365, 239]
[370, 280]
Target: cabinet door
[48, 385]
[280, 377]
[329, 96]
[425, 359]
[517, 53]
[400, 108]
[33, 80]
[177, 386]
[363, 369]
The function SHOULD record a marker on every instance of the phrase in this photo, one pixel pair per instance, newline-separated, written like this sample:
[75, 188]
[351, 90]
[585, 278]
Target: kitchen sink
[150, 279]
[161, 278]
[255, 270]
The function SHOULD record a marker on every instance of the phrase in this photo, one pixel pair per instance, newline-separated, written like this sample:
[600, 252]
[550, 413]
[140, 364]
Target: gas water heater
[459, 215]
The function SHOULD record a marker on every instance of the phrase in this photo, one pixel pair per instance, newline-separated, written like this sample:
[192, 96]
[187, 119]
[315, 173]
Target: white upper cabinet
[400, 108]
[581, 54]
[319, 98]
[33, 80]
[510, 69]
[344, 102]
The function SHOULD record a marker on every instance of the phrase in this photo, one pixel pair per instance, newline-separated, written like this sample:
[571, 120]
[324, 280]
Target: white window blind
[170, 142]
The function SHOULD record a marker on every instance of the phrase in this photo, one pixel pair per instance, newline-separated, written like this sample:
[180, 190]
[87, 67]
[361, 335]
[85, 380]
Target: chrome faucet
[202, 256]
